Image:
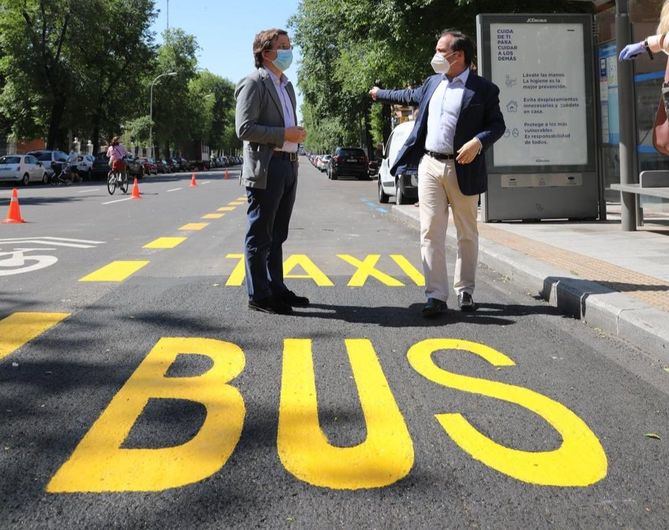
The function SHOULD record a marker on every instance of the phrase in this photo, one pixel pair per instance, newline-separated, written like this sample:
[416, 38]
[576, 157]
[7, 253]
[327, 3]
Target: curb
[596, 305]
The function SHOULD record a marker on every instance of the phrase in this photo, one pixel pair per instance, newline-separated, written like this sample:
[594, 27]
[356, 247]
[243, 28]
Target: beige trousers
[437, 188]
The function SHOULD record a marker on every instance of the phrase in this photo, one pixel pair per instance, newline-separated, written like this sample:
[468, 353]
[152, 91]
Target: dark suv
[348, 161]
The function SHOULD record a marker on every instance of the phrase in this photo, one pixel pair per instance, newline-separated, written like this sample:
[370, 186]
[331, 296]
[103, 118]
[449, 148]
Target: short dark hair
[460, 42]
[263, 41]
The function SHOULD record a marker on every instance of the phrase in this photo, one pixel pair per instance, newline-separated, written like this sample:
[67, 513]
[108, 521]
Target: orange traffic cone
[14, 213]
[227, 175]
[135, 190]
[193, 182]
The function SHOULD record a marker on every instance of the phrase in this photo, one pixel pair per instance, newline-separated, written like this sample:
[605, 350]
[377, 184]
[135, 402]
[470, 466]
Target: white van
[403, 187]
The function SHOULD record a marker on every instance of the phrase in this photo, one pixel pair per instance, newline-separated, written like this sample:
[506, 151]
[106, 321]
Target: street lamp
[171, 74]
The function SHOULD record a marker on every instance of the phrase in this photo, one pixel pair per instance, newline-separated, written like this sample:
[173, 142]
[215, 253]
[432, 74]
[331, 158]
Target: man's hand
[373, 92]
[469, 151]
[294, 134]
[631, 51]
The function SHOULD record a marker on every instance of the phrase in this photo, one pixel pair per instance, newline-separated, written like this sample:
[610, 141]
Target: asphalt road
[137, 390]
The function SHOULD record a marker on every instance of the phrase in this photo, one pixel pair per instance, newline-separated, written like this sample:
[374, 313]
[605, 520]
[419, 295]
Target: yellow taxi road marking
[365, 269]
[226, 209]
[385, 456]
[21, 327]
[117, 200]
[165, 242]
[579, 461]
[213, 216]
[116, 271]
[194, 226]
[100, 464]
[173, 189]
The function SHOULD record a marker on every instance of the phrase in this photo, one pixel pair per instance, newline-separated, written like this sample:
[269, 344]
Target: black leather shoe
[291, 299]
[466, 303]
[433, 308]
[270, 304]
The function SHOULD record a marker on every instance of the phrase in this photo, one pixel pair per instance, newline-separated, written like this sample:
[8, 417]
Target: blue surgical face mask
[284, 58]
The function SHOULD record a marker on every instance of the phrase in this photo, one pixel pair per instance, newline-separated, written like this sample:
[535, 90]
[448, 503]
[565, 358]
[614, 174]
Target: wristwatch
[650, 53]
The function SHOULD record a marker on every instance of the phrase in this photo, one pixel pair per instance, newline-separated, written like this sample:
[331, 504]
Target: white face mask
[440, 63]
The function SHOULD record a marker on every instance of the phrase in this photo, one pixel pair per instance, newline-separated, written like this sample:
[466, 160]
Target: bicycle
[117, 178]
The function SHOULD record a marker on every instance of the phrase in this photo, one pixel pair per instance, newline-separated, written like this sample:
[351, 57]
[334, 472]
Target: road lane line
[116, 271]
[117, 200]
[226, 209]
[213, 216]
[194, 226]
[20, 328]
[174, 189]
[89, 190]
[165, 242]
[236, 203]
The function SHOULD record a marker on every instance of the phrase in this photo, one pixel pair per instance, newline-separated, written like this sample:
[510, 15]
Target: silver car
[22, 168]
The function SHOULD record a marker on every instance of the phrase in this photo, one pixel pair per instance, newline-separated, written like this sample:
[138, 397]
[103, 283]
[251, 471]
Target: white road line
[118, 200]
[174, 189]
[206, 182]
[89, 190]
[51, 238]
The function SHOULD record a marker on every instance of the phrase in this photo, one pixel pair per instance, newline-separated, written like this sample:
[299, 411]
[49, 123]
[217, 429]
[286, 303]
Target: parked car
[22, 168]
[83, 164]
[404, 187]
[149, 166]
[323, 162]
[47, 157]
[160, 166]
[135, 166]
[348, 161]
[100, 167]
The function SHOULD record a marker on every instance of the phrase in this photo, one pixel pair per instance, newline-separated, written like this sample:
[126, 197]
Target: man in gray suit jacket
[265, 121]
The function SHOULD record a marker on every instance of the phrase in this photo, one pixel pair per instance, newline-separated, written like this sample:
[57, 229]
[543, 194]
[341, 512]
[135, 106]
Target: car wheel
[383, 196]
[399, 195]
[25, 180]
[45, 178]
[334, 175]
[89, 175]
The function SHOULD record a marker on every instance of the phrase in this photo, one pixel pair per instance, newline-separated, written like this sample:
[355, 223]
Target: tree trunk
[55, 136]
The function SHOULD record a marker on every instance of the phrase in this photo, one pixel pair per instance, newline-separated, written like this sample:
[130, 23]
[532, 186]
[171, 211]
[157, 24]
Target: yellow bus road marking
[116, 271]
[213, 216]
[165, 242]
[226, 209]
[194, 226]
[20, 328]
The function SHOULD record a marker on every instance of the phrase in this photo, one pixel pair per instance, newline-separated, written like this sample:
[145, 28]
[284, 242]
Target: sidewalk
[612, 280]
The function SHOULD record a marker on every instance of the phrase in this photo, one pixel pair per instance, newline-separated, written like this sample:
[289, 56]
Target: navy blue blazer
[480, 116]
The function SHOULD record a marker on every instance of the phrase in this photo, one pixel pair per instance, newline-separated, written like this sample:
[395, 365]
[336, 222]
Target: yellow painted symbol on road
[194, 226]
[226, 209]
[100, 464]
[579, 461]
[385, 456]
[367, 268]
[165, 242]
[116, 271]
[213, 216]
[408, 269]
[311, 270]
[21, 327]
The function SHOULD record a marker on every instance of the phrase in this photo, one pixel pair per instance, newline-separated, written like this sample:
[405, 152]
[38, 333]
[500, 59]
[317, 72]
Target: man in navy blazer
[458, 118]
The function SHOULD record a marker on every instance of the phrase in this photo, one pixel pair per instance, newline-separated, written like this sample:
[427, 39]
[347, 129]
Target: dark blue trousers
[268, 217]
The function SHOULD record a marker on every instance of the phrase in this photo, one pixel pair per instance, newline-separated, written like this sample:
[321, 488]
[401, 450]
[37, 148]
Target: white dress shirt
[287, 106]
[443, 113]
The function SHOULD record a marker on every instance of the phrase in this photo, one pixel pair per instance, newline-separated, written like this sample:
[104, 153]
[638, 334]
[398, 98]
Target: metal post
[151, 108]
[627, 144]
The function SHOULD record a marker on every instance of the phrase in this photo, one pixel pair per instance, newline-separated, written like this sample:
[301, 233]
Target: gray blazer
[259, 124]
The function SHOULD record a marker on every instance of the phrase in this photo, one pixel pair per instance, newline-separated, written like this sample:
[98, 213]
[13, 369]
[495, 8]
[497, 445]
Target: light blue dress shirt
[287, 106]
[443, 113]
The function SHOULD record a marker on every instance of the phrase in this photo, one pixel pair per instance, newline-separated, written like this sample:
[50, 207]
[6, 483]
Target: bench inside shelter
[652, 183]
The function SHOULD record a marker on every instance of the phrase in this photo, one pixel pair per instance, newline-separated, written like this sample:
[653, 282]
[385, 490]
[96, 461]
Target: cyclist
[116, 152]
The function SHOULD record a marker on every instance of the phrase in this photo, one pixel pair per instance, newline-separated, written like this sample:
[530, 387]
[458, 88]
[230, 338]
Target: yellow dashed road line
[165, 242]
[20, 328]
[116, 271]
[226, 209]
[213, 216]
[194, 226]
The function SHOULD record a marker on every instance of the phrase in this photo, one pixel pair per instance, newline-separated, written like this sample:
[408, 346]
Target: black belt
[439, 156]
[283, 155]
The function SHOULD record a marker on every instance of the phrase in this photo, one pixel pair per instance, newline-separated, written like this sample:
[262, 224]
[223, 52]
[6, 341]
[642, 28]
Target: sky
[225, 31]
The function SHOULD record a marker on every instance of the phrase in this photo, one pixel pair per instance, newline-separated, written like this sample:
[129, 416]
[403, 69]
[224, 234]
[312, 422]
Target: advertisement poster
[541, 77]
